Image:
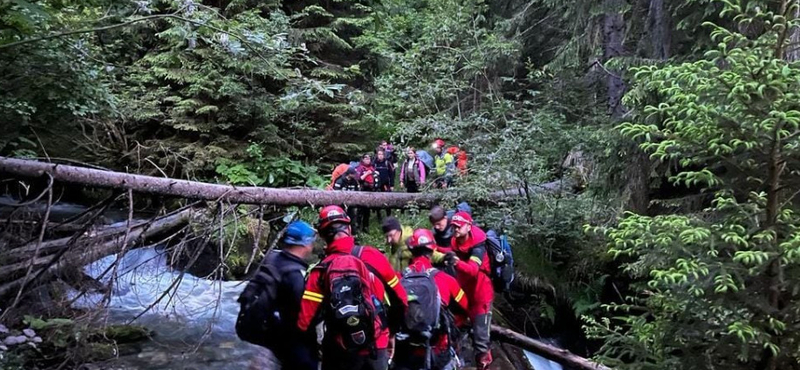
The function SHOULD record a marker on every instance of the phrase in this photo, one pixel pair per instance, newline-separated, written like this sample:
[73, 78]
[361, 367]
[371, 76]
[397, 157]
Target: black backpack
[424, 304]
[259, 319]
[502, 261]
[424, 309]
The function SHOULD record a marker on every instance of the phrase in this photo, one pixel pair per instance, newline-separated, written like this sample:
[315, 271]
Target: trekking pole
[428, 354]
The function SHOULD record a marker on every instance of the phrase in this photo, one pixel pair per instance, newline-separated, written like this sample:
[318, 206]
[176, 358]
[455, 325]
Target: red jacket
[473, 269]
[377, 264]
[453, 297]
[369, 170]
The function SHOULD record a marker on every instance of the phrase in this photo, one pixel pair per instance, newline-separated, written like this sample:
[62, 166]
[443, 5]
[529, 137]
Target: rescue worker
[453, 299]
[334, 227]
[396, 235]
[470, 260]
[293, 350]
[445, 165]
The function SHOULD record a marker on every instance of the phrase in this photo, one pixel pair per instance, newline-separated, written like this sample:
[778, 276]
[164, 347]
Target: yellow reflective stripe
[386, 299]
[392, 283]
[312, 294]
[476, 259]
[313, 299]
[460, 295]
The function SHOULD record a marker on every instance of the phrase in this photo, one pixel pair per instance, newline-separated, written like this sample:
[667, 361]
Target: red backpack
[460, 156]
[353, 307]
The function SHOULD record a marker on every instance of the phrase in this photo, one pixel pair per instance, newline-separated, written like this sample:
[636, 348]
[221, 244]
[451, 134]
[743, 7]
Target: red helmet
[438, 143]
[421, 238]
[331, 214]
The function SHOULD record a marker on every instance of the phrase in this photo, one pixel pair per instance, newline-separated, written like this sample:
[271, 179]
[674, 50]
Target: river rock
[3, 347]
[36, 339]
[126, 333]
[29, 333]
[3, 329]
[15, 339]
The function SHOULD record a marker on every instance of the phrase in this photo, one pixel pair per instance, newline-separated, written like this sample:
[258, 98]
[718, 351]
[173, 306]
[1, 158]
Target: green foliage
[258, 170]
[173, 94]
[715, 289]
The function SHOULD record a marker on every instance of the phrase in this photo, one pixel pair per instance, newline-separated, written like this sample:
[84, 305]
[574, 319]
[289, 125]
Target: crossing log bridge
[236, 194]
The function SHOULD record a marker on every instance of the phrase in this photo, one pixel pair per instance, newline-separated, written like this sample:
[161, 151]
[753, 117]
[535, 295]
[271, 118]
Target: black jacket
[343, 183]
[385, 170]
[290, 291]
[444, 238]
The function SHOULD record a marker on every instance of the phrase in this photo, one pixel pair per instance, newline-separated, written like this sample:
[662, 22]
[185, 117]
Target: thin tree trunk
[84, 256]
[658, 24]
[545, 350]
[613, 36]
[792, 53]
[92, 247]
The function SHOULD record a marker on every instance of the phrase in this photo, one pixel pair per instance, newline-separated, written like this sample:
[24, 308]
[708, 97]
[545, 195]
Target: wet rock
[155, 358]
[29, 333]
[126, 333]
[3, 329]
[3, 347]
[36, 340]
[97, 352]
[14, 340]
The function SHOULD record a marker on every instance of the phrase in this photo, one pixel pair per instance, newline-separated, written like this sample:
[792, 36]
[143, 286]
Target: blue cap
[299, 233]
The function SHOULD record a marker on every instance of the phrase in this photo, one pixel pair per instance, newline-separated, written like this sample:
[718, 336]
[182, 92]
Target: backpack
[351, 311]
[424, 304]
[427, 160]
[502, 261]
[259, 318]
[337, 172]
[460, 157]
[424, 310]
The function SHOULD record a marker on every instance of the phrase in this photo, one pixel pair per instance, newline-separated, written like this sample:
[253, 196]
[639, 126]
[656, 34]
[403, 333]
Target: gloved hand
[450, 259]
[437, 257]
[483, 360]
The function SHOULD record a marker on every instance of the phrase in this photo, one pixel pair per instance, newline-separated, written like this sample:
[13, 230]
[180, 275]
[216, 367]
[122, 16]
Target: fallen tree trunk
[51, 246]
[545, 350]
[99, 248]
[214, 192]
[237, 194]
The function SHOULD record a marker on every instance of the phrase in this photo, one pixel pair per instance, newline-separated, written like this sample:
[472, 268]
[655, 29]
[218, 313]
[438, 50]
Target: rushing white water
[541, 363]
[193, 324]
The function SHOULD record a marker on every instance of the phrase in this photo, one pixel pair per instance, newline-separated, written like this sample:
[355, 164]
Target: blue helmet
[299, 233]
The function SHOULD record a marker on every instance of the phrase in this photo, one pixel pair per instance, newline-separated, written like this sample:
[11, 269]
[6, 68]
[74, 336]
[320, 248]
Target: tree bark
[792, 52]
[84, 256]
[613, 37]
[658, 25]
[96, 237]
[545, 350]
[236, 194]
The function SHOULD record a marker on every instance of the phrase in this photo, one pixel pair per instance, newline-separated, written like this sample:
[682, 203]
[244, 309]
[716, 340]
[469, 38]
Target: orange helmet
[332, 214]
[421, 238]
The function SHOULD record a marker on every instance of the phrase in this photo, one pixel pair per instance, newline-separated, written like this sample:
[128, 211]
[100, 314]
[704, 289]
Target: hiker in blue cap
[293, 349]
